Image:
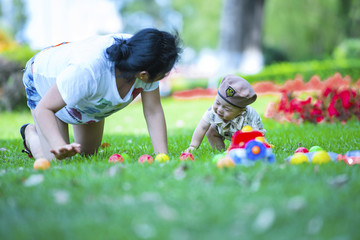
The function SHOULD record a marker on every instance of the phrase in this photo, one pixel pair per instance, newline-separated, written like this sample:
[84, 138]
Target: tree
[349, 14]
[150, 13]
[197, 21]
[240, 33]
[309, 29]
[200, 22]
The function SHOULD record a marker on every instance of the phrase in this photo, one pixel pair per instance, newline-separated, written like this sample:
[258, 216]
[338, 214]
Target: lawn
[88, 198]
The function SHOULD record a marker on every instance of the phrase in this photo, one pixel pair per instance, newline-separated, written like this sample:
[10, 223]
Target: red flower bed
[331, 100]
[195, 93]
[298, 84]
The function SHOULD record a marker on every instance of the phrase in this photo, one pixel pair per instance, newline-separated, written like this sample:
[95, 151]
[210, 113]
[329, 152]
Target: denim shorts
[33, 97]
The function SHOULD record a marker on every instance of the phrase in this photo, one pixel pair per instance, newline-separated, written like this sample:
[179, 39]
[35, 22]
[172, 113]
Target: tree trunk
[351, 20]
[241, 26]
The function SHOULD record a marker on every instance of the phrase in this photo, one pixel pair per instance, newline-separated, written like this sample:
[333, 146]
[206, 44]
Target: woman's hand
[189, 149]
[66, 151]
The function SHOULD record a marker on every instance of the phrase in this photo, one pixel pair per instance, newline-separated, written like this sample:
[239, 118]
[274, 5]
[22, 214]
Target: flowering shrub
[333, 100]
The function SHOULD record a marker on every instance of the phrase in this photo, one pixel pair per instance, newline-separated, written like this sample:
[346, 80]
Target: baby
[229, 113]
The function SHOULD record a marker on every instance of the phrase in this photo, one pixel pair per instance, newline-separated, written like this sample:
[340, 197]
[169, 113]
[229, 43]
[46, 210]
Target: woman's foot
[26, 149]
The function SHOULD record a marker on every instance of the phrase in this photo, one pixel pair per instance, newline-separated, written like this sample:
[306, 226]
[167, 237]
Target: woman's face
[147, 79]
[160, 76]
[225, 110]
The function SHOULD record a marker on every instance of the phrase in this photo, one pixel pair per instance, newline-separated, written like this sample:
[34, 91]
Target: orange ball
[255, 150]
[225, 162]
[41, 164]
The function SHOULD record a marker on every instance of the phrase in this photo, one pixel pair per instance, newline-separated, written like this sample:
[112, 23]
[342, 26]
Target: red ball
[186, 156]
[115, 158]
[301, 150]
[145, 158]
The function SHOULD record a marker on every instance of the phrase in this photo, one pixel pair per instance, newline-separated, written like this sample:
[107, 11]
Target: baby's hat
[236, 91]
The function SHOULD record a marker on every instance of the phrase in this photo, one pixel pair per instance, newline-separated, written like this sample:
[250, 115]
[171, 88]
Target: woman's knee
[30, 129]
[89, 136]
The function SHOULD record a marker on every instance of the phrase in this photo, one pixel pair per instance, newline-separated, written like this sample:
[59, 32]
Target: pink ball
[186, 156]
[145, 158]
[115, 158]
[301, 150]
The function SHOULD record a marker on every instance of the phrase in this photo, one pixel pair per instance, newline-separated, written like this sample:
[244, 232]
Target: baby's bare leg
[89, 136]
[215, 139]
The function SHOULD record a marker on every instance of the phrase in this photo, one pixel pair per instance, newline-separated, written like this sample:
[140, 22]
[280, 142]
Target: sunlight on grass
[88, 198]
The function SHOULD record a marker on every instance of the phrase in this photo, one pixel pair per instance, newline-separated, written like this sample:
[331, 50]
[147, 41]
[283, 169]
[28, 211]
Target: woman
[81, 83]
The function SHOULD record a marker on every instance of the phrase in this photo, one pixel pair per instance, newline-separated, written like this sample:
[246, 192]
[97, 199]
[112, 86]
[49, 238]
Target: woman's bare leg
[89, 136]
[33, 141]
[215, 139]
[37, 143]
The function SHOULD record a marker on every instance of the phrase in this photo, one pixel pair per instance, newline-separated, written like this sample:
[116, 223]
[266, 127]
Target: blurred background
[272, 40]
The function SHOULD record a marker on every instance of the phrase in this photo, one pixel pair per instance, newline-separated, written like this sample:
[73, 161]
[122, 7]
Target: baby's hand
[66, 151]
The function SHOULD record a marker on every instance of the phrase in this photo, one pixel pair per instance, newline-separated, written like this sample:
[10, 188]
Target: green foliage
[18, 53]
[292, 30]
[181, 83]
[88, 198]
[273, 55]
[305, 29]
[201, 22]
[348, 49]
[19, 16]
[280, 72]
[140, 14]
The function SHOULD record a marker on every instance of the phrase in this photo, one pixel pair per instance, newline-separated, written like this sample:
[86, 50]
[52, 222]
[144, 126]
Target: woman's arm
[46, 119]
[155, 120]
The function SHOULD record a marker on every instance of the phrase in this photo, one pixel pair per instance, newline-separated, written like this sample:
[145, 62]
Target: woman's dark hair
[148, 50]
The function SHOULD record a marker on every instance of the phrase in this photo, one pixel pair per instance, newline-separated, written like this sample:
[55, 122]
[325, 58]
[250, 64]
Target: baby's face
[225, 110]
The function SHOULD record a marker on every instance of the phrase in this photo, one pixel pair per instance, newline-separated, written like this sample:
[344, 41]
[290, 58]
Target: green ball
[218, 156]
[315, 149]
[126, 157]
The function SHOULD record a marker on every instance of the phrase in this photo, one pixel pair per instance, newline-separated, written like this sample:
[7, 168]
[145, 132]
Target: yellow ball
[320, 157]
[299, 158]
[162, 157]
[260, 139]
[41, 164]
[247, 128]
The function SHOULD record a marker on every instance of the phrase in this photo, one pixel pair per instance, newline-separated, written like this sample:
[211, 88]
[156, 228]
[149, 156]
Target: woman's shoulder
[94, 48]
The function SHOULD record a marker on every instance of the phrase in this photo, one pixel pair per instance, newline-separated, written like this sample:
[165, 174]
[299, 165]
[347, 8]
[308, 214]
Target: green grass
[88, 198]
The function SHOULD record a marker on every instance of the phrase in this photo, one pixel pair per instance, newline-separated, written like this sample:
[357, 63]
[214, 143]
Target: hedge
[281, 72]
